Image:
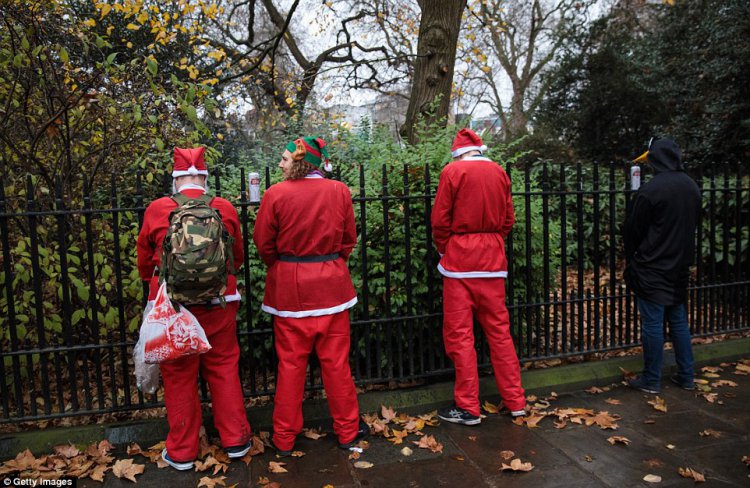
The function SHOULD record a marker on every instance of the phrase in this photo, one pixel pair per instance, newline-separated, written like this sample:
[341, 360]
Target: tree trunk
[433, 68]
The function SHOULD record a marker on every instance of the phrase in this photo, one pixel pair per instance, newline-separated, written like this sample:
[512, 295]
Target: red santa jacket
[310, 216]
[155, 224]
[473, 214]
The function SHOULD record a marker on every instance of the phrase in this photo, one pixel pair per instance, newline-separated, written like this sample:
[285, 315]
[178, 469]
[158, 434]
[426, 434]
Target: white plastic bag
[146, 375]
[169, 334]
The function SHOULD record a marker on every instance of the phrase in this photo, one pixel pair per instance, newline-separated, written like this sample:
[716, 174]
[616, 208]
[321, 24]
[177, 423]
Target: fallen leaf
[654, 463]
[531, 398]
[671, 446]
[297, 454]
[691, 473]
[429, 442]
[313, 434]
[263, 480]
[560, 424]
[658, 404]
[649, 421]
[133, 449]
[276, 467]
[507, 455]
[472, 438]
[711, 375]
[517, 465]
[125, 468]
[594, 390]
[711, 369]
[627, 374]
[212, 482]
[388, 414]
[652, 478]
[710, 433]
[204, 465]
[746, 460]
[158, 447]
[604, 420]
[700, 381]
[97, 474]
[354, 455]
[588, 458]
[398, 436]
[618, 438]
[363, 464]
[720, 383]
[66, 450]
[458, 458]
[490, 408]
[406, 451]
[710, 397]
[613, 401]
[742, 367]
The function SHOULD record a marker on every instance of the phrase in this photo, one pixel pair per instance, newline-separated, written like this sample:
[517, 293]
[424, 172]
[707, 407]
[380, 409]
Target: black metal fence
[71, 298]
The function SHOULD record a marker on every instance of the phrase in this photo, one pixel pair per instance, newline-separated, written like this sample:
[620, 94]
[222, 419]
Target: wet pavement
[573, 456]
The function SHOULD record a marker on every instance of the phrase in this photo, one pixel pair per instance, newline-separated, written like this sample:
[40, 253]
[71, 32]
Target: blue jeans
[652, 336]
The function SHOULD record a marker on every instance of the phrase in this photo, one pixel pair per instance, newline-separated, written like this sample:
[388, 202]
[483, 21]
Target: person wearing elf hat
[304, 233]
[219, 366]
[659, 237]
[472, 216]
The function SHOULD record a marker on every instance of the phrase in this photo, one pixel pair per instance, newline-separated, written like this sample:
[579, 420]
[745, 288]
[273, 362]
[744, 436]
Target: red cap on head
[466, 140]
[189, 162]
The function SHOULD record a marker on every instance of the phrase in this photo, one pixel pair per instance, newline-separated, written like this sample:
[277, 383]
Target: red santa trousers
[483, 298]
[219, 367]
[295, 339]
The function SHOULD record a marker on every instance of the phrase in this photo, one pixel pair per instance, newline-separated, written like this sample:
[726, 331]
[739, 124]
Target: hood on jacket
[664, 155]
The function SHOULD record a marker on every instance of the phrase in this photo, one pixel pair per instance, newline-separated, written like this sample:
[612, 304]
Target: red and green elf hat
[315, 151]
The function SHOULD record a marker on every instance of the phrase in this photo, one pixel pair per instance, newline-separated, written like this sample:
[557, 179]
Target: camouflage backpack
[195, 252]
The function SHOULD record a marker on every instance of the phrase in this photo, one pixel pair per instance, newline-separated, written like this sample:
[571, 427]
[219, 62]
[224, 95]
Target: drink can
[635, 177]
[254, 185]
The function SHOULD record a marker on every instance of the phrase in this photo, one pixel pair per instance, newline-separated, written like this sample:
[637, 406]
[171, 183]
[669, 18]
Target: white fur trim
[310, 313]
[478, 158]
[314, 177]
[191, 186]
[471, 274]
[328, 166]
[189, 172]
[464, 150]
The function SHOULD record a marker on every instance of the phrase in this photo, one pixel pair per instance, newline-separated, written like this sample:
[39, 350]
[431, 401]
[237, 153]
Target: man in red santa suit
[219, 366]
[472, 216]
[304, 233]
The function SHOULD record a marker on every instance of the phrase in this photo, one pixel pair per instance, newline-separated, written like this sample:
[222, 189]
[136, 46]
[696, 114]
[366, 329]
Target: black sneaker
[682, 384]
[458, 415]
[280, 452]
[638, 383]
[238, 451]
[362, 432]
[518, 414]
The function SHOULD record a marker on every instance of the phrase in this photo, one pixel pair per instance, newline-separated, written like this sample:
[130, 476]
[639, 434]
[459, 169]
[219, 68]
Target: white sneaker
[178, 466]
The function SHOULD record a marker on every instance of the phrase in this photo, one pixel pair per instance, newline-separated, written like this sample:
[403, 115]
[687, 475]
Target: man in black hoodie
[660, 246]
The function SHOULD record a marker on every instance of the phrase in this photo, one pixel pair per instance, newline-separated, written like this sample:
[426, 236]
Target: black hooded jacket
[660, 229]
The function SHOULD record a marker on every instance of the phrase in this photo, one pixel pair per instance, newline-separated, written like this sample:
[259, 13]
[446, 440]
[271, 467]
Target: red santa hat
[189, 162]
[466, 140]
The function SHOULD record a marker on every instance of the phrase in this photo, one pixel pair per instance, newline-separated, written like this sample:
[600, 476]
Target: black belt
[309, 259]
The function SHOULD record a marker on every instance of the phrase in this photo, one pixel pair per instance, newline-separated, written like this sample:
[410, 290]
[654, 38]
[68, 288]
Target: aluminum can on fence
[254, 185]
[635, 177]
